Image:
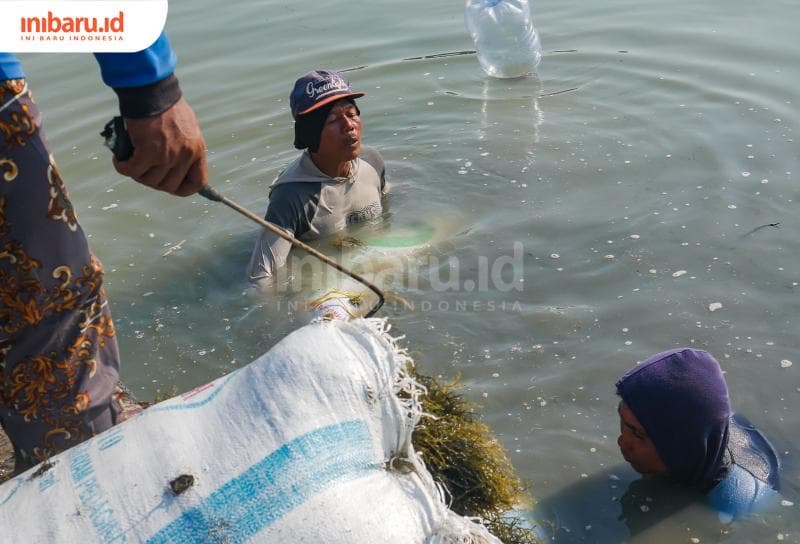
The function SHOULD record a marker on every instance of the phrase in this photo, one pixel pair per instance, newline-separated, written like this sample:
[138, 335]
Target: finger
[196, 179]
[171, 181]
[154, 177]
[135, 167]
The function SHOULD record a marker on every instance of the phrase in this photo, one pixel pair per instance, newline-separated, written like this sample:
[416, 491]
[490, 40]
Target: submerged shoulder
[753, 478]
[741, 493]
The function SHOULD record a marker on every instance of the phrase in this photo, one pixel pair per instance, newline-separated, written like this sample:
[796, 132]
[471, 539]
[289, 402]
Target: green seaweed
[161, 396]
[461, 453]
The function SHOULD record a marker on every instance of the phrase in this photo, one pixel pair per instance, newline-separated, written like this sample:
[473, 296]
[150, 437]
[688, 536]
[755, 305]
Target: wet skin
[340, 140]
[637, 448]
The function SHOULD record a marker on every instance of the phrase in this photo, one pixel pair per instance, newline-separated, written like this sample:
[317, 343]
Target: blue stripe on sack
[191, 405]
[282, 481]
[13, 491]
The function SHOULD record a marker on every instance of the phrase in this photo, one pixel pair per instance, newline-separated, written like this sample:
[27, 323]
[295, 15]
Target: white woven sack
[309, 443]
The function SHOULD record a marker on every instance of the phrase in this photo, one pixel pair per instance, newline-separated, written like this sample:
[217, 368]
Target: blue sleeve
[740, 493]
[153, 64]
[10, 67]
[118, 69]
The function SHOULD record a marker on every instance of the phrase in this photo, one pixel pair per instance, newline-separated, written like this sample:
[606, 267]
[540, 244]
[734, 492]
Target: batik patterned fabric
[58, 351]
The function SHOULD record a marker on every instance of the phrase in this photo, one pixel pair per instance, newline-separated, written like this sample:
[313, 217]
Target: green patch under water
[403, 237]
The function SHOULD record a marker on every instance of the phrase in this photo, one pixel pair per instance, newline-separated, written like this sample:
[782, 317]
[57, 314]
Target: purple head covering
[681, 399]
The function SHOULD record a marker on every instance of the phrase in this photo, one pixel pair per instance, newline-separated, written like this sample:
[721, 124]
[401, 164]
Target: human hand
[169, 152]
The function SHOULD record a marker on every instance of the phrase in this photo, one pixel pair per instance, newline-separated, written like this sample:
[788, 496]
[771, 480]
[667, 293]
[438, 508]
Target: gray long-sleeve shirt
[309, 204]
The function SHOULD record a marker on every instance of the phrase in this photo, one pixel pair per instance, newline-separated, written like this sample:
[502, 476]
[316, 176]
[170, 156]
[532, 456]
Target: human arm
[169, 149]
[292, 208]
[269, 254]
[10, 67]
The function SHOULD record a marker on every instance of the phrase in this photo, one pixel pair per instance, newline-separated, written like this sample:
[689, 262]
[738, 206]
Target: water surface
[627, 177]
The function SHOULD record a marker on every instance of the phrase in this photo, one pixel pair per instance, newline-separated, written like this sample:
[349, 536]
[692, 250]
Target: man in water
[335, 182]
[676, 421]
[59, 362]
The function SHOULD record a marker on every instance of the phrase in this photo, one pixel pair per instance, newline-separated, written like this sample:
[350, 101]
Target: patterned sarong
[58, 350]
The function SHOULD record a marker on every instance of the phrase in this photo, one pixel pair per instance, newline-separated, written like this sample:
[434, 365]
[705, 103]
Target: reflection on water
[524, 91]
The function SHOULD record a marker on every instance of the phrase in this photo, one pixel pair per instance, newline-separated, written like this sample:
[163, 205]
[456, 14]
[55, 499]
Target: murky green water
[612, 197]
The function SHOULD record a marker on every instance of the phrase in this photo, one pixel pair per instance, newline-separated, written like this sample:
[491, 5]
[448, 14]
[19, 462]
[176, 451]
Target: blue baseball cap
[317, 88]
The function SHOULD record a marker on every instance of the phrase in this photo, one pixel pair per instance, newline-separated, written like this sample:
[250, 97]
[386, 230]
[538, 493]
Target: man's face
[340, 139]
[637, 448]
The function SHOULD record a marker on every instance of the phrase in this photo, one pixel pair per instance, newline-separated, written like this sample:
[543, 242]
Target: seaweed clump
[461, 453]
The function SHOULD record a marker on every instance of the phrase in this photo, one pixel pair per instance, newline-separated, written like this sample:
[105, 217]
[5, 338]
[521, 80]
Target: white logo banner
[70, 26]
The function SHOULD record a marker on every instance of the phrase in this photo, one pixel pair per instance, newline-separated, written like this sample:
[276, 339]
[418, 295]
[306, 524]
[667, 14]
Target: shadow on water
[612, 506]
[618, 505]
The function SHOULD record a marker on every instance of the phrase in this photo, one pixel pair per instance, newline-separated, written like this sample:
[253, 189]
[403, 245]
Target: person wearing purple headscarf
[676, 421]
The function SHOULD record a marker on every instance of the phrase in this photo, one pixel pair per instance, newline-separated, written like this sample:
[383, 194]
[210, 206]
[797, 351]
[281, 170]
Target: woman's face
[636, 446]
